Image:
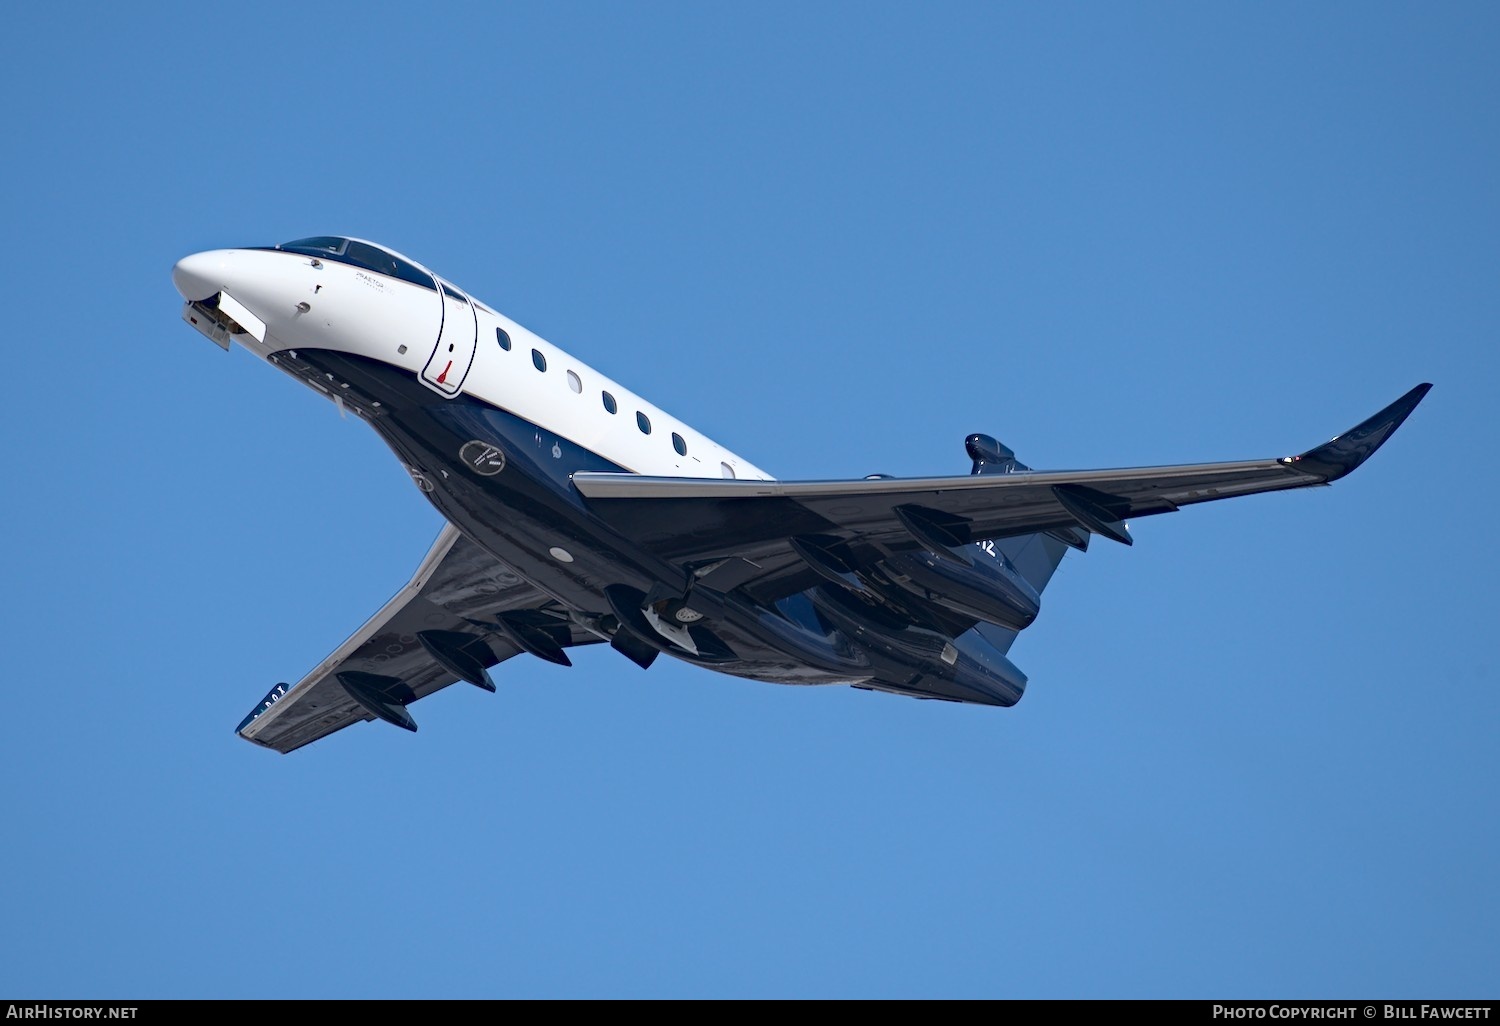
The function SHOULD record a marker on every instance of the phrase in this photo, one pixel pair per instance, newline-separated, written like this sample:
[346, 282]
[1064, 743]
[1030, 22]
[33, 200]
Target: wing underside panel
[699, 521]
[453, 600]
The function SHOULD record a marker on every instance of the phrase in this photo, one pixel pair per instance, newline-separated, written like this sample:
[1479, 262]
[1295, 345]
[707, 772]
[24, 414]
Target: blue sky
[1257, 757]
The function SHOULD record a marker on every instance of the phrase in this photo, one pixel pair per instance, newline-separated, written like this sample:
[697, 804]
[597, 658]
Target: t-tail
[1033, 558]
[993, 585]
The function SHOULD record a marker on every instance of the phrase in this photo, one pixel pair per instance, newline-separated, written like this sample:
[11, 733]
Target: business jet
[576, 512]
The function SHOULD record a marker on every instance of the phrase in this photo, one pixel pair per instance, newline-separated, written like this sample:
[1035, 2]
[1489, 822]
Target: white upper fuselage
[454, 346]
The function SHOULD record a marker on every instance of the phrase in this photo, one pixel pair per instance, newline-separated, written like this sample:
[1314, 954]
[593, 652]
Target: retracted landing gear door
[454, 352]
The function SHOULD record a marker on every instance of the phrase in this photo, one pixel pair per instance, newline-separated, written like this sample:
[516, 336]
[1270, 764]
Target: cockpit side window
[376, 259]
[371, 259]
[360, 254]
[318, 245]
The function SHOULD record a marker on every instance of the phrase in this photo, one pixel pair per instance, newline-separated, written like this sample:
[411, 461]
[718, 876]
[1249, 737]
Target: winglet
[1333, 459]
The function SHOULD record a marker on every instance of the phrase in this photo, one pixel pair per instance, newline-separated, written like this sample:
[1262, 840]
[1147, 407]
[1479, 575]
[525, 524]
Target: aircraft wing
[461, 613]
[747, 533]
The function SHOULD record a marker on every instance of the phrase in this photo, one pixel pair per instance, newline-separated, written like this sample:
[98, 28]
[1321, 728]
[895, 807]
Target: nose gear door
[454, 352]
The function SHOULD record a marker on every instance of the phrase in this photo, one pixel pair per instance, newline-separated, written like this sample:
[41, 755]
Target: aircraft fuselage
[492, 422]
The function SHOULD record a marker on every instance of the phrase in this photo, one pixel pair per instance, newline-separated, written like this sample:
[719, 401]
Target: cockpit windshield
[360, 254]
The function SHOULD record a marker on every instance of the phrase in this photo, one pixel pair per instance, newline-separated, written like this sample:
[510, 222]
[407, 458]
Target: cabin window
[726, 470]
[679, 444]
[609, 402]
[643, 422]
[538, 360]
[574, 383]
[503, 339]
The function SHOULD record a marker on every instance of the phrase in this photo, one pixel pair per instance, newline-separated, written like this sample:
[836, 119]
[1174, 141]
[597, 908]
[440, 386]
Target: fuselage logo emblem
[482, 458]
[420, 479]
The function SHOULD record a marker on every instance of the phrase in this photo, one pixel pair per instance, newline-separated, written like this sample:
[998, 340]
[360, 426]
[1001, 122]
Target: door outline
[458, 339]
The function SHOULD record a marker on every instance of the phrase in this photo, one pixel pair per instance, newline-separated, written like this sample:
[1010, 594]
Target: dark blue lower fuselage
[519, 504]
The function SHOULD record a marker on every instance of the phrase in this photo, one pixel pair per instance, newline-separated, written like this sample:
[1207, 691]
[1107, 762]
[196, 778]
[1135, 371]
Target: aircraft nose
[200, 275]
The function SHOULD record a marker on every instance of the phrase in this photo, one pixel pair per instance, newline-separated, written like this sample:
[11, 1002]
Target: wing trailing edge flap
[460, 614]
[697, 521]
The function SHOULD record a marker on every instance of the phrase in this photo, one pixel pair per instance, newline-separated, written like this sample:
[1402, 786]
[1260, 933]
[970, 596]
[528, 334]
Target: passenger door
[454, 352]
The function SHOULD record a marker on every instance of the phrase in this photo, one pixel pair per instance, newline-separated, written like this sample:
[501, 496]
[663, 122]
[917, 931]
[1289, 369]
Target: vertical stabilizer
[1034, 557]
